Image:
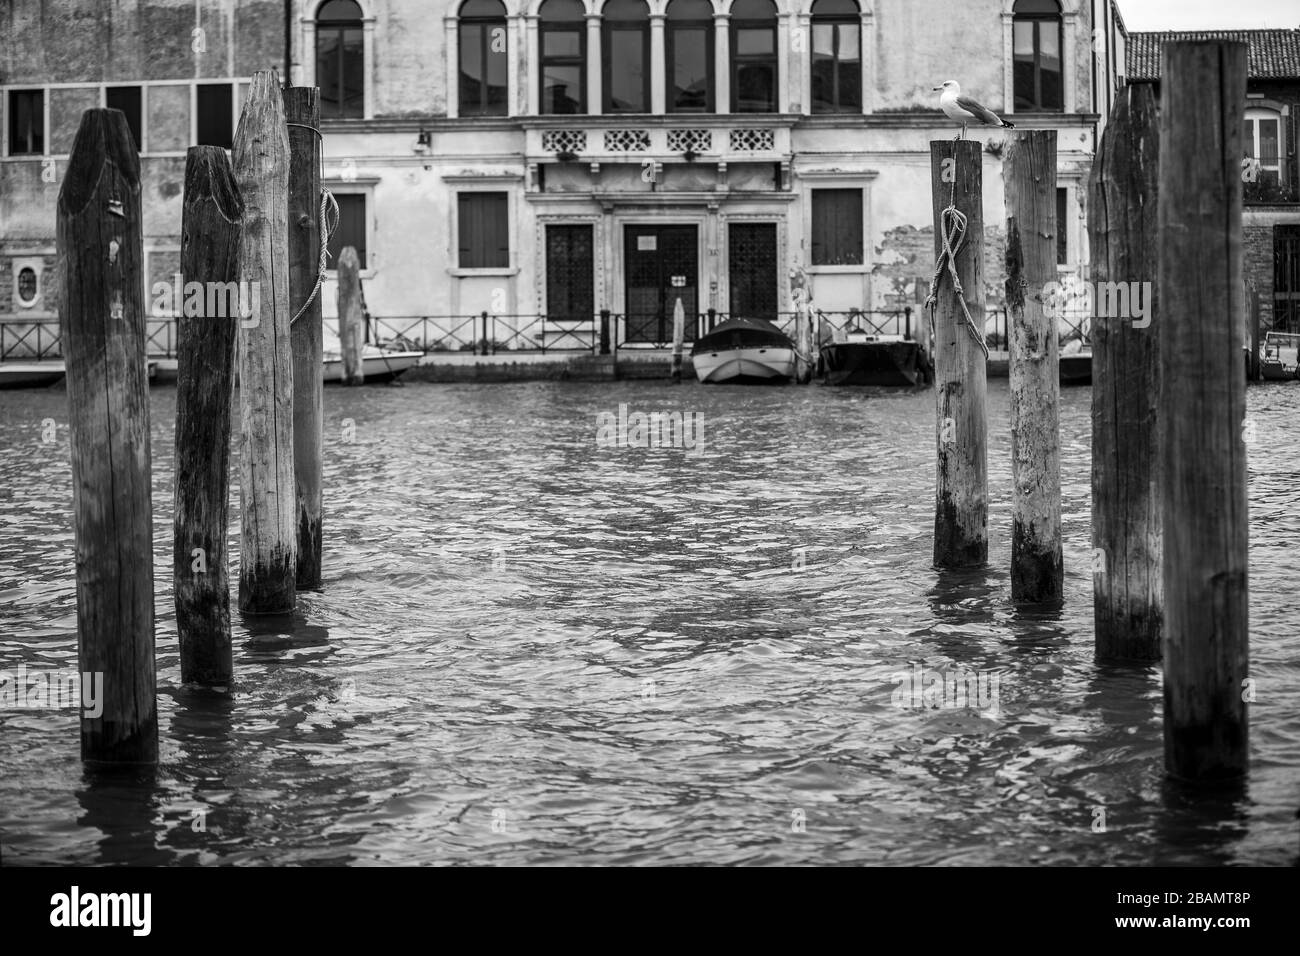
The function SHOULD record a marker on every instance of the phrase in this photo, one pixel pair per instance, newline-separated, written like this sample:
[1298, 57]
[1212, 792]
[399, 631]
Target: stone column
[658, 86]
[595, 67]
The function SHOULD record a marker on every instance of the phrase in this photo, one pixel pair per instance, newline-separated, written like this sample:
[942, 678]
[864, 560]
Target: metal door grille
[662, 265]
[570, 273]
[751, 270]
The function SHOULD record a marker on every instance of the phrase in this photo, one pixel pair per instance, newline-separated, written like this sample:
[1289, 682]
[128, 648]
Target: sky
[1143, 15]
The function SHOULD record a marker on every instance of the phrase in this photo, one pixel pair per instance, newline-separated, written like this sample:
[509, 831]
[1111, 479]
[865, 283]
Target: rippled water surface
[531, 649]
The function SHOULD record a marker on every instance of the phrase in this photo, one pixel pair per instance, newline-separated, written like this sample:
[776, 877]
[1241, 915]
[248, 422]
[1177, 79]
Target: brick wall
[1257, 268]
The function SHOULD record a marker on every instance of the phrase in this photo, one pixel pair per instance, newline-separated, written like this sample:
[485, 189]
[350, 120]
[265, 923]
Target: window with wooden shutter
[837, 227]
[483, 226]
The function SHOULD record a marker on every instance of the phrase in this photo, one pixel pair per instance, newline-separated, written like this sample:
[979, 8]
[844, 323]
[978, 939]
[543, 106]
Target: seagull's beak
[938, 88]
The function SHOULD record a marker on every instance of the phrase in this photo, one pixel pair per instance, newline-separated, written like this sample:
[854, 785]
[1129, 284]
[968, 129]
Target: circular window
[27, 286]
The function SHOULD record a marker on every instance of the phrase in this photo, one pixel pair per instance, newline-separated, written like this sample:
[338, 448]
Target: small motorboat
[42, 374]
[1279, 357]
[378, 363]
[31, 374]
[744, 351]
[858, 358]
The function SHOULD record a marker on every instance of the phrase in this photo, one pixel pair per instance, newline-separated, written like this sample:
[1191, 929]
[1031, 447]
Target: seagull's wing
[981, 113]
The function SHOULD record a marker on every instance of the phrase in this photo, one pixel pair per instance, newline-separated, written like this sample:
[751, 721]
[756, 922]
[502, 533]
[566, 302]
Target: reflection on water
[533, 649]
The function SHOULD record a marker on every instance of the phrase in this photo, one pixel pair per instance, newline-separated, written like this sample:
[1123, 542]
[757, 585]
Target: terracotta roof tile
[1274, 54]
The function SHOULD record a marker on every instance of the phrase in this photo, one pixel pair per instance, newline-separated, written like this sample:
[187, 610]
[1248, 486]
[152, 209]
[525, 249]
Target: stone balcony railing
[634, 139]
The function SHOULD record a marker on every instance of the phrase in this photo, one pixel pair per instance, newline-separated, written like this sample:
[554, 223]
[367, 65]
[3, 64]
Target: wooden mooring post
[1202, 410]
[961, 428]
[302, 114]
[679, 334]
[102, 323]
[1030, 173]
[205, 360]
[1126, 477]
[268, 552]
[351, 332]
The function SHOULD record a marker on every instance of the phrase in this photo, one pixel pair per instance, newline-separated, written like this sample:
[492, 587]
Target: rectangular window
[482, 68]
[753, 69]
[483, 226]
[627, 79]
[564, 49]
[215, 115]
[351, 230]
[1286, 278]
[690, 53]
[26, 122]
[1062, 227]
[126, 99]
[1036, 65]
[836, 68]
[837, 227]
[340, 71]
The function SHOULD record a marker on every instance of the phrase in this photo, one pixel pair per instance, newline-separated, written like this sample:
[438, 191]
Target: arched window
[836, 57]
[753, 56]
[689, 52]
[564, 56]
[1038, 38]
[483, 58]
[625, 50]
[340, 60]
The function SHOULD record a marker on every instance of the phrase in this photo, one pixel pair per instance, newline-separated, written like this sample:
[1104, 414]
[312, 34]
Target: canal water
[532, 647]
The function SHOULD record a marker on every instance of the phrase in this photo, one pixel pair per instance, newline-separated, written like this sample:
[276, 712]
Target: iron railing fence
[605, 332]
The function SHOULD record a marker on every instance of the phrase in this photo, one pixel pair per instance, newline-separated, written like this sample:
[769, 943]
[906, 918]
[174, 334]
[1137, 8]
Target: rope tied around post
[328, 206]
[953, 227]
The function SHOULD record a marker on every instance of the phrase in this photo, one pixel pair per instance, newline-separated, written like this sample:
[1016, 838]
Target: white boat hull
[754, 364]
[376, 364]
[37, 374]
[30, 374]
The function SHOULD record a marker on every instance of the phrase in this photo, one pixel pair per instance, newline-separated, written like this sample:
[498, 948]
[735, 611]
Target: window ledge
[837, 270]
[471, 273]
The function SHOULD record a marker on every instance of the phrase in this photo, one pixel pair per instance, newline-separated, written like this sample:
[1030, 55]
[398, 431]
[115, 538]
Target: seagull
[965, 110]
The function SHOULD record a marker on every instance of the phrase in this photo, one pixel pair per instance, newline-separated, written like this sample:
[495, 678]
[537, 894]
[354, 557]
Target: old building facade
[1271, 173]
[178, 73]
[556, 158]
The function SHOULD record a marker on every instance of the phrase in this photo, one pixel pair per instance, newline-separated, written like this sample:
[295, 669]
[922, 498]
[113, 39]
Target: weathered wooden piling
[961, 486]
[1127, 485]
[679, 334]
[351, 332]
[1030, 173]
[102, 323]
[268, 553]
[205, 370]
[1202, 410]
[802, 344]
[302, 114]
